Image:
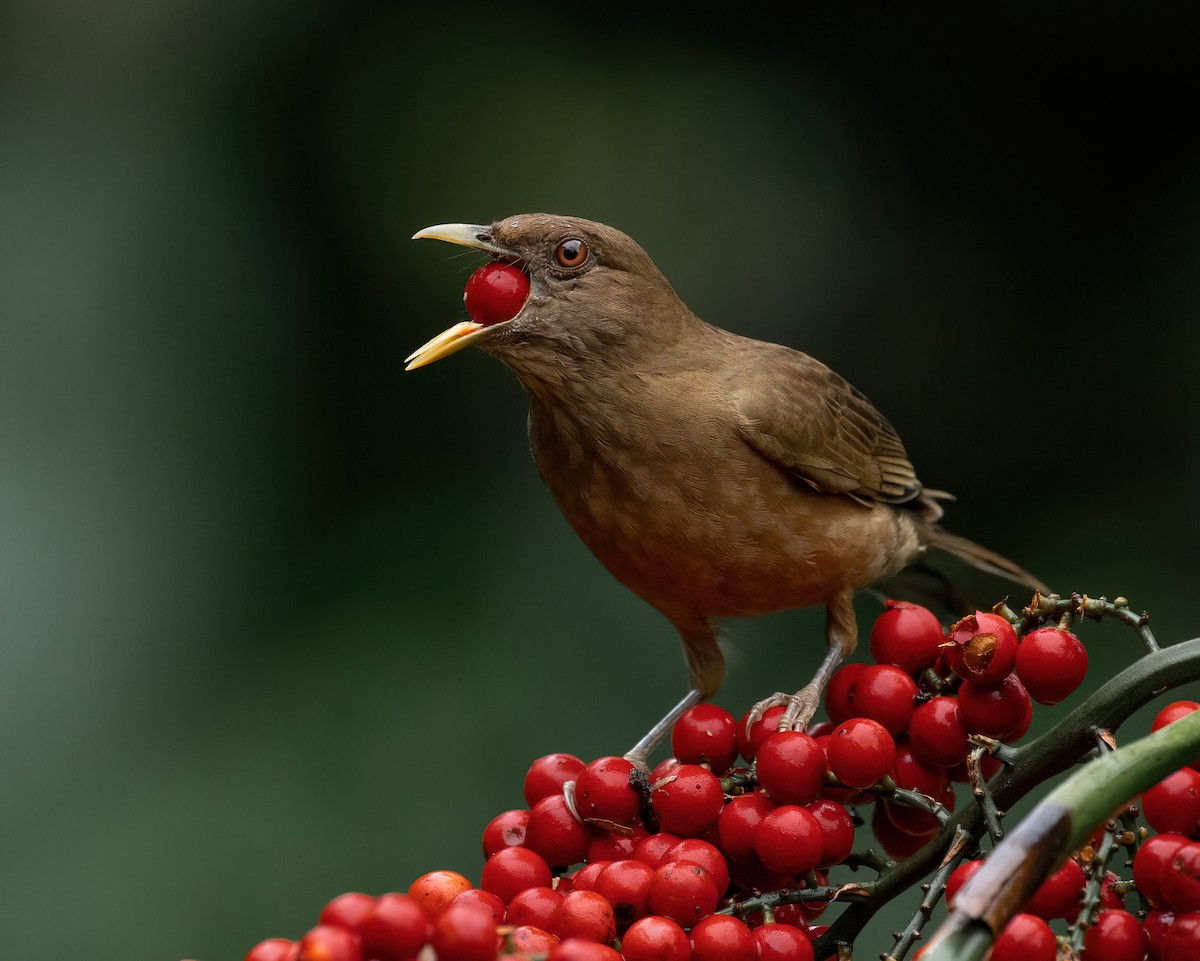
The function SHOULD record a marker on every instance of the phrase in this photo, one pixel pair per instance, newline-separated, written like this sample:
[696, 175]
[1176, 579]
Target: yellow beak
[465, 333]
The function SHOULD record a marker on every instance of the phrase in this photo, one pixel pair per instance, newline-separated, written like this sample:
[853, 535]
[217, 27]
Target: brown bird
[714, 475]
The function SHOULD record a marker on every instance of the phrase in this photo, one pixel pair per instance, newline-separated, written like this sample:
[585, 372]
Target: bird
[715, 475]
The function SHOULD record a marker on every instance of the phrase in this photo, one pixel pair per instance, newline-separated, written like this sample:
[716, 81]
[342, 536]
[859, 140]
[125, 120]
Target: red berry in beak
[496, 292]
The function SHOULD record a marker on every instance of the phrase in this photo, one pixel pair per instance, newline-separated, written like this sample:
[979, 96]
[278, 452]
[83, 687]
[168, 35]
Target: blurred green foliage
[279, 621]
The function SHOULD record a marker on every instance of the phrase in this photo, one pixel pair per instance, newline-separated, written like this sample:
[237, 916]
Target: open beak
[466, 332]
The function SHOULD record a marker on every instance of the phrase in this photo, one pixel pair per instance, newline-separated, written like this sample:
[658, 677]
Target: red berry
[347, 910]
[273, 949]
[652, 847]
[433, 891]
[958, 877]
[906, 635]
[585, 878]
[1173, 804]
[1149, 861]
[506, 873]
[687, 801]
[1051, 664]
[496, 292]
[1172, 713]
[604, 790]
[886, 694]
[505, 830]
[626, 886]
[737, 823]
[1115, 936]
[860, 752]
[896, 843]
[614, 846]
[533, 906]
[788, 840]
[464, 933]
[839, 692]
[1025, 938]
[587, 915]
[555, 833]
[656, 938]
[791, 767]
[837, 830]
[706, 734]
[722, 937]
[548, 774]
[1157, 926]
[579, 949]
[981, 648]
[530, 940]
[1179, 879]
[682, 891]
[396, 928]
[908, 771]
[782, 942]
[936, 733]
[1000, 710]
[482, 900]
[749, 741]
[914, 821]
[1183, 940]
[707, 855]
[327, 943]
[1059, 894]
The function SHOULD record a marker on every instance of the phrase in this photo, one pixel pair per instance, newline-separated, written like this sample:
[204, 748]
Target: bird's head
[593, 293]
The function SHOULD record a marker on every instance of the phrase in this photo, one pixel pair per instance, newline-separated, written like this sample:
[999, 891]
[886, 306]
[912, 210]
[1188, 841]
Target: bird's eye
[571, 253]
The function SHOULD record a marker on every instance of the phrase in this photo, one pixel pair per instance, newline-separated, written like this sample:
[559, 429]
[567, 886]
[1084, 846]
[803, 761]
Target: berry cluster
[724, 851]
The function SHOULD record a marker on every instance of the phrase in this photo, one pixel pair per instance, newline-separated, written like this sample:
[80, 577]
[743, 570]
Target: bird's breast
[672, 501]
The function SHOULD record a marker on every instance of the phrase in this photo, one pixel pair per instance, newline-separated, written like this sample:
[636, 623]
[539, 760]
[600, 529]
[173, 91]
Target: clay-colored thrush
[714, 475]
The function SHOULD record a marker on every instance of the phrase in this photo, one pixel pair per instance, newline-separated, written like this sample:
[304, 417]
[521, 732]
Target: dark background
[280, 621]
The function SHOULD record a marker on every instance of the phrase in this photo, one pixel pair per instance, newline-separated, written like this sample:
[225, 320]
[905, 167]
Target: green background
[279, 621]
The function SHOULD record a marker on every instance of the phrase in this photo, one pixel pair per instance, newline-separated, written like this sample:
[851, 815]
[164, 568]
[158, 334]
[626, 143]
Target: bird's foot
[639, 754]
[799, 708]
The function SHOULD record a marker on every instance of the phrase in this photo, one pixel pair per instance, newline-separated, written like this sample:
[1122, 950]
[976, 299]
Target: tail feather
[954, 576]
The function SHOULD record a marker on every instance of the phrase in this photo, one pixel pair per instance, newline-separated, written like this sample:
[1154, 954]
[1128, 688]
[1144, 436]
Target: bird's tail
[954, 577]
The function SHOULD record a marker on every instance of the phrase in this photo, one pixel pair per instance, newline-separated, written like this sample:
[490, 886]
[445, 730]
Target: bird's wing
[798, 413]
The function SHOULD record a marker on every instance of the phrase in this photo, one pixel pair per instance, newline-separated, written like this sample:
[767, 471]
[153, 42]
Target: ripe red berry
[908, 771]
[614, 845]
[276, 949]
[860, 752]
[1025, 938]
[722, 937]
[482, 900]
[981, 648]
[788, 840]
[682, 891]
[1148, 863]
[464, 933]
[327, 943]
[533, 906]
[555, 833]
[749, 741]
[958, 877]
[737, 823]
[837, 830]
[578, 949]
[886, 694]
[656, 938]
[1000, 710]
[706, 734]
[506, 873]
[396, 927]
[896, 843]
[791, 767]
[839, 692]
[584, 914]
[528, 940]
[1157, 925]
[687, 801]
[1115, 936]
[1059, 894]
[936, 734]
[505, 830]
[906, 635]
[626, 886]
[347, 910]
[548, 774]
[1172, 713]
[435, 890]
[782, 942]
[496, 292]
[604, 790]
[1051, 664]
[1179, 879]
[708, 856]
[652, 847]
[1173, 804]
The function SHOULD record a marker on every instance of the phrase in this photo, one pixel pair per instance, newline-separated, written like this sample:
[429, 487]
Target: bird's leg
[841, 636]
[706, 665]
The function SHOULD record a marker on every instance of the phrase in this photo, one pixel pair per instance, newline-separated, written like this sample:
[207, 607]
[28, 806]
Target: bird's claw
[799, 709]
